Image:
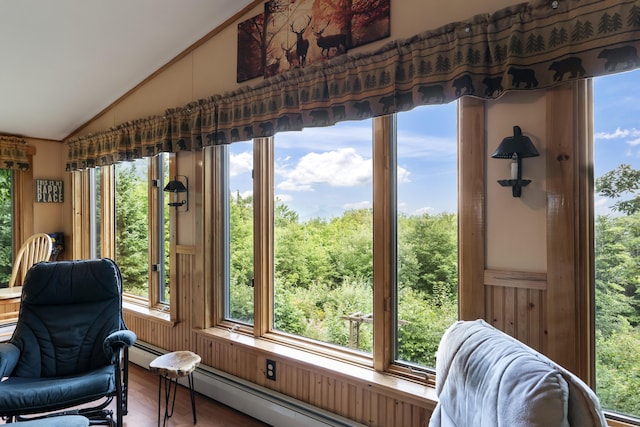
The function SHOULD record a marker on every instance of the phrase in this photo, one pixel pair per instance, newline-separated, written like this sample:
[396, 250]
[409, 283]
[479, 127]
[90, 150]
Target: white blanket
[485, 378]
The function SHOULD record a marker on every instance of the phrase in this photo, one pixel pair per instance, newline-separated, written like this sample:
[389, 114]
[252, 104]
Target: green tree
[622, 182]
[241, 258]
[617, 262]
[132, 230]
[428, 254]
[6, 227]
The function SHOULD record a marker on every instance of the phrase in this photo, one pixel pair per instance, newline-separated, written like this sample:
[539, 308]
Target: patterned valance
[527, 46]
[14, 153]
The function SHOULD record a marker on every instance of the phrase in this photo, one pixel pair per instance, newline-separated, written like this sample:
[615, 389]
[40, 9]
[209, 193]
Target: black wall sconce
[516, 148]
[176, 186]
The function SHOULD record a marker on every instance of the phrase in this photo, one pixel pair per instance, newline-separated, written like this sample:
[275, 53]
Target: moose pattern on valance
[14, 153]
[527, 46]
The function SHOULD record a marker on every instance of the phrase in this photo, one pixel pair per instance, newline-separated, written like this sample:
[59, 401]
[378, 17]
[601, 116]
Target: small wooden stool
[170, 367]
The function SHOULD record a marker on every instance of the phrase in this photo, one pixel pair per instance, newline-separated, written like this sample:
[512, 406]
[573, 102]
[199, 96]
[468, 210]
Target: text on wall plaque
[49, 191]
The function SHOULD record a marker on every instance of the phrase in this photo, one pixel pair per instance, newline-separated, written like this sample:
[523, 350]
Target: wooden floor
[143, 406]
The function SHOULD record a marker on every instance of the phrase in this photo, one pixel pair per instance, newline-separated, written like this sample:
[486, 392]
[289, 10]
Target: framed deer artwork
[297, 33]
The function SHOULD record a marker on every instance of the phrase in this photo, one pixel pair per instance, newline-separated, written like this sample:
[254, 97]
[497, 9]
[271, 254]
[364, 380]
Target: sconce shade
[516, 144]
[175, 186]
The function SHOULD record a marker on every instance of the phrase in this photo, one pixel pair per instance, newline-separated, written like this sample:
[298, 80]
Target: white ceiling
[64, 61]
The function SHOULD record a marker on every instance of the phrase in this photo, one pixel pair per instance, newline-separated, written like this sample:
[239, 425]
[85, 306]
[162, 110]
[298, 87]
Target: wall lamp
[176, 186]
[516, 148]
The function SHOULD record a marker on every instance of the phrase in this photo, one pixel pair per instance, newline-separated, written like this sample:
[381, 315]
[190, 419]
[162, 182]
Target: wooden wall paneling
[513, 303]
[536, 316]
[170, 337]
[353, 399]
[471, 208]
[561, 324]
[522, 315]
[511, 307]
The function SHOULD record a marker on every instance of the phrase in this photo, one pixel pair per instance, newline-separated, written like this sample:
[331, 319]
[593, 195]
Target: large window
[617, 242]
[302, 228]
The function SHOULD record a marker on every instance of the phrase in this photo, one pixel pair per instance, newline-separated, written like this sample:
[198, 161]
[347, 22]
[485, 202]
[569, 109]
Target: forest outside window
[312, 196]
[6, 226]
[426, 231]
[142, 229]
[617, 243]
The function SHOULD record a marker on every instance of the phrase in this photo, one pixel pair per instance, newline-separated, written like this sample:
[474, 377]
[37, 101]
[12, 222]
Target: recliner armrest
[118, 340]
[9, 355]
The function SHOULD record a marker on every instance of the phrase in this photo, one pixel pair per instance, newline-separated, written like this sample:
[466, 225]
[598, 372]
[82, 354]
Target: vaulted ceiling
[65, 61]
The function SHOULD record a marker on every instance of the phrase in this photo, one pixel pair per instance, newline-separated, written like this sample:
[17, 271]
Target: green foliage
[241, 259]
[132, 228]
[428, 255]
[618, 312]
[618, 370]
[324, 273]
[624, 181]
[6, 227]
[427, 317]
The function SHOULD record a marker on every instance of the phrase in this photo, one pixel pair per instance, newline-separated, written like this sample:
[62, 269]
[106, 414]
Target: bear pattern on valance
[14, 153]
[527, 46]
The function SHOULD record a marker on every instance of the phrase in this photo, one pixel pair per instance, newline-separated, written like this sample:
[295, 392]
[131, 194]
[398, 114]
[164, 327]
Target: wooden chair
[37, 248]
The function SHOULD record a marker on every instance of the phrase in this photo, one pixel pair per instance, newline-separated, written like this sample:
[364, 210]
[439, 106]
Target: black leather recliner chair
[70, 345]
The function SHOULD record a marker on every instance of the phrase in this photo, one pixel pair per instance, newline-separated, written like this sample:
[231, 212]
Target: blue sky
[616, 126]
[321, 172]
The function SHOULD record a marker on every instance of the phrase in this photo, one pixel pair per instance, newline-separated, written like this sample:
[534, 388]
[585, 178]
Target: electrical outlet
[271, 370]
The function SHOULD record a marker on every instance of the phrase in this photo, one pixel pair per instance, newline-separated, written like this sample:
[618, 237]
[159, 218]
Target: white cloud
[341, 168]
[240, 163]
[403, 174]
[620, 134]
[634, 142]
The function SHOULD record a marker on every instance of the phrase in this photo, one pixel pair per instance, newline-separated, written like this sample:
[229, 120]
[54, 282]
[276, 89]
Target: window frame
[22, 217]
[382, 358]
[81, 203]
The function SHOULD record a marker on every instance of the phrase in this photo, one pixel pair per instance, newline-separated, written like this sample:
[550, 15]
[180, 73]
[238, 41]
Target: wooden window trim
[471, 208]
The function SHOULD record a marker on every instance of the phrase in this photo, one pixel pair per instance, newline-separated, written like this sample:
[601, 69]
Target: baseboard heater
[261, 403]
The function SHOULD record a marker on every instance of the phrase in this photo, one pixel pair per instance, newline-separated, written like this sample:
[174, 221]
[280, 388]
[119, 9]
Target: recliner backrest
[67, 309]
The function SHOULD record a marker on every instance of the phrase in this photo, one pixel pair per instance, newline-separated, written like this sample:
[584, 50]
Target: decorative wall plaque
[49, 191]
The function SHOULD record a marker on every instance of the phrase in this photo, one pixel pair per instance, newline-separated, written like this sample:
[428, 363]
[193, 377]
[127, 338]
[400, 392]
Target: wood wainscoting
[513, 304]
[351, 391]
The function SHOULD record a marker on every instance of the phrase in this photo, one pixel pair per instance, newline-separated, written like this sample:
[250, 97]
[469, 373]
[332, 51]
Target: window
[141, 229]
[323, 234]
[95, 209]
[304, 233]
[617, 242]
[238, 203]
[6, 225]
[426, 227]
